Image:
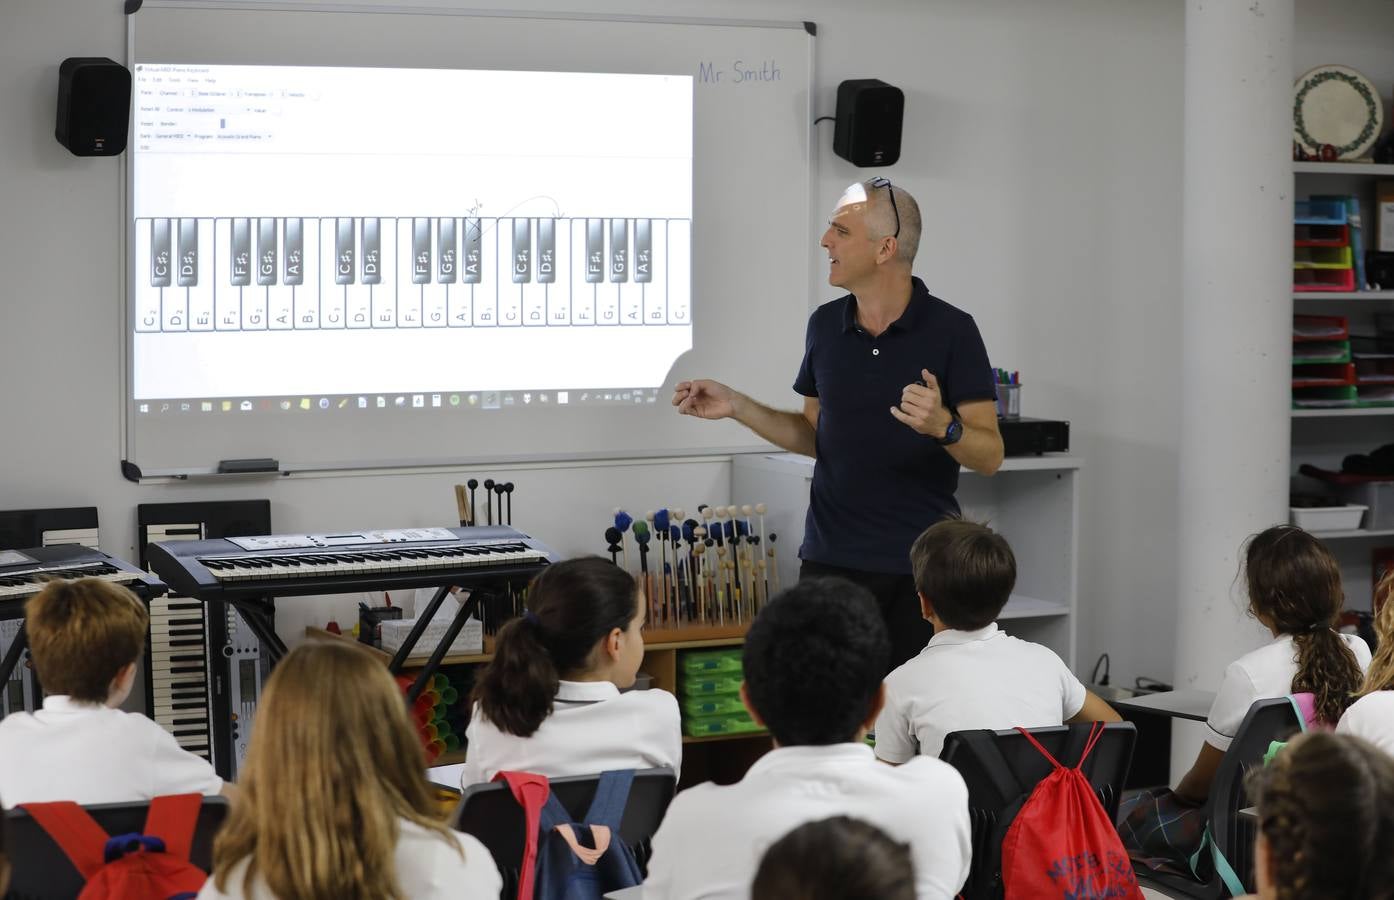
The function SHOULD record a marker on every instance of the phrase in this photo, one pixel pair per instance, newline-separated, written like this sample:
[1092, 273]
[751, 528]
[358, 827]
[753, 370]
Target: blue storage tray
[1320, 212]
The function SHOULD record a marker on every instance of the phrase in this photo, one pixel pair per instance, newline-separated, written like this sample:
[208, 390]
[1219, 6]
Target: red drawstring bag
[1061, 843]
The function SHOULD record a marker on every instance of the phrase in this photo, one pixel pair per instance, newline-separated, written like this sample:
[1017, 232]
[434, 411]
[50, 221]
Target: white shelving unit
[1324, 437]
[1032, 500]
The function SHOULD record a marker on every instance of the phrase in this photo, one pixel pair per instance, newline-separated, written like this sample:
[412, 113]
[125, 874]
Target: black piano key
[188, 253]
[595, 251]
[295, 251]
[420, 251]
[522, 251]
[241, 252]
[546, 251]
[474, 235]
[619, 250]
[343, 252]
[445, 251]
[266, 251]
[159, 253]
[643, 250]
[372, 251]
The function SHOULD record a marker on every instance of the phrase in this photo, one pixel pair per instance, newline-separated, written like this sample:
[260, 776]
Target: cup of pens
[1008, 394]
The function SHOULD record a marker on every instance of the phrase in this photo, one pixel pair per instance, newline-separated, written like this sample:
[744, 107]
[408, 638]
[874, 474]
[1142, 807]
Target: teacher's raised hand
[704, 399]
[922, 407]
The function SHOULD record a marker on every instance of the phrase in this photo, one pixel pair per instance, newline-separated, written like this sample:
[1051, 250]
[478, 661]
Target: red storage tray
[1323, 279]
[1323, 375]
[1320, 328]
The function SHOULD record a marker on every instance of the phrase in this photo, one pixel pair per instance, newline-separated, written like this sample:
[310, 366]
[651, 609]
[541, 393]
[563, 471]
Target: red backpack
[150, 866]
[1061, 842]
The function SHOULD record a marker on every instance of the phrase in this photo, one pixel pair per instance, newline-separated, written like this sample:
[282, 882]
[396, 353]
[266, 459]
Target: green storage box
[710, 662]
[692, 686]
[712, 705]
[733, 723]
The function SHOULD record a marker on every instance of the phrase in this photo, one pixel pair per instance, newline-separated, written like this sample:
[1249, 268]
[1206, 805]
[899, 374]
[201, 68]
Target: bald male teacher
[897, 394]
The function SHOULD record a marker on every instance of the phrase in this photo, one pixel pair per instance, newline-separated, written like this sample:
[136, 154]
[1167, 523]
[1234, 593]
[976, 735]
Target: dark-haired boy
[971, 674]
[85, 638]
[813, 663]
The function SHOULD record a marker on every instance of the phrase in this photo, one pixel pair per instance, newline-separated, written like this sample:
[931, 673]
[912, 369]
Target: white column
[1236, 318]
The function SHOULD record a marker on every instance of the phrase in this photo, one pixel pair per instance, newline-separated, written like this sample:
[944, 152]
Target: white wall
[1042, 140]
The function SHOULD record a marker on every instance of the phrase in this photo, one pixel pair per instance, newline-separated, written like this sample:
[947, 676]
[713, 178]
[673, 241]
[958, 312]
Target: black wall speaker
[94, 106]
[867, 131]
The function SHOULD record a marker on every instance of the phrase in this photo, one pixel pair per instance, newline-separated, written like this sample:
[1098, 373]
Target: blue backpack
[567, 860]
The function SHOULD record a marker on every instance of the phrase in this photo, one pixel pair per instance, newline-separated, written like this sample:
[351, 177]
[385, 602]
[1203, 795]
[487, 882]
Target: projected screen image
[354, 238]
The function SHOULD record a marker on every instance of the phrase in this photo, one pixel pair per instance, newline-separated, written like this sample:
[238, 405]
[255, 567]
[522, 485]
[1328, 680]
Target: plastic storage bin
[712, 705]
[1328, 518]
[1378, 496]
[710, 662]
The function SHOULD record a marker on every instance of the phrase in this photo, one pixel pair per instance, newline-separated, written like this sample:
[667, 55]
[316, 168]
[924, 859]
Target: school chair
[39, 870]
[1274, 719]
[489, 813]
[991, 789]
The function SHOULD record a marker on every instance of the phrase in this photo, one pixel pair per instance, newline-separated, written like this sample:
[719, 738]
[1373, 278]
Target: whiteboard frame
[130, 467]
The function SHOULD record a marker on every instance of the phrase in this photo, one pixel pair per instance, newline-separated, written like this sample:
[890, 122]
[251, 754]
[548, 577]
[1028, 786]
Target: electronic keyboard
[230, 569]
[24, 573]
[307, 273]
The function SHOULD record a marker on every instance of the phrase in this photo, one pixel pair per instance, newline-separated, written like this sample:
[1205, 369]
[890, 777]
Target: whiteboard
[751, 236]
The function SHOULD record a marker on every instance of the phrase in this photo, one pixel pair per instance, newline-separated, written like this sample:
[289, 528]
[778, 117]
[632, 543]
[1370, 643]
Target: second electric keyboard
[300, 564]
[304, 273]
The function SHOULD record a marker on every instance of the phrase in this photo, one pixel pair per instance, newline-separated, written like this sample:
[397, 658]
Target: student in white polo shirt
[550, 700]
[813, 663]
[1371, 716]
[972, 674]
[85, 640]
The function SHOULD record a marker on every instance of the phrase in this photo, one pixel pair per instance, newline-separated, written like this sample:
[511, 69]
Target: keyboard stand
[17, 647]
[423, 619]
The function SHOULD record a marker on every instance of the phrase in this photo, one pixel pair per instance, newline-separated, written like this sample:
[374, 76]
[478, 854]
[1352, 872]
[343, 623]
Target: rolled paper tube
[452, 742]
[450, 696]
[429, 731]
[443, 729]
[436, 748]
[439, 682]
[438, 714]
[420, 715]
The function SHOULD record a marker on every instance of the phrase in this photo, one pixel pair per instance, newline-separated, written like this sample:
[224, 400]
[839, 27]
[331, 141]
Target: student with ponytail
[333, 800]
[550, 700]
[1326, 821]
[1294, 587]
[1372, 715]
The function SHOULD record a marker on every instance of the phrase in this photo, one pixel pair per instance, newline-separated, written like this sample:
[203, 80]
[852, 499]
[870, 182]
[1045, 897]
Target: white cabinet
[1032, 501]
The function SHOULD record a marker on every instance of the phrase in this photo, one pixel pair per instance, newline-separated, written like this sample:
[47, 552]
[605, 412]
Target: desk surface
[1183, 704]
[633, 893]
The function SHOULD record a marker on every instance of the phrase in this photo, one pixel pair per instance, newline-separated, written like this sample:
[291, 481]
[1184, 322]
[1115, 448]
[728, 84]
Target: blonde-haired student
[1371, 716]
[550, 702]
[972, 674]
[333, 800]
[85, 640]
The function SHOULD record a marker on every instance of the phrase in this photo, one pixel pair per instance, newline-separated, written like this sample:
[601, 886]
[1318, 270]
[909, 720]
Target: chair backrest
[1106, 768]
[1274, 719]
[489, 813]
[39, 870]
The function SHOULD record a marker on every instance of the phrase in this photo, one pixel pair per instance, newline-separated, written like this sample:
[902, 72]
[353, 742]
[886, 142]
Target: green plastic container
[694, 686]
[710, 662]
[733, 723]
[712, 705]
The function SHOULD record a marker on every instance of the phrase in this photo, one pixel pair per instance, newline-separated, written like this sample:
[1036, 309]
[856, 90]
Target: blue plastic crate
[1320, 212]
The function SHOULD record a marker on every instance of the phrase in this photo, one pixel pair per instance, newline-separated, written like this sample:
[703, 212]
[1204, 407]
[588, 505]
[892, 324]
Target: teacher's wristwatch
[952, 434]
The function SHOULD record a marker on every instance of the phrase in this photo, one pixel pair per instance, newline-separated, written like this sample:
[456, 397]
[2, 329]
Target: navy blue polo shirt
[878, 483]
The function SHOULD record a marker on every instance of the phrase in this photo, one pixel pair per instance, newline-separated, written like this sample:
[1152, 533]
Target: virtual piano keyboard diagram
[470, 229]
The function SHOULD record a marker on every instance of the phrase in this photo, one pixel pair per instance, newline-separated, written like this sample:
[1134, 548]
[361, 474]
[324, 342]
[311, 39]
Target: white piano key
[486, 296]
[332, 312]
[559, 291]
[406, 286]
[146, 307]
[280, 299]
[679, 266]
[510, 292]
[300, 253]
[582, 280]
[535, 287]
[379, 269]
[649, 271]
[434, 304]
[188, 266]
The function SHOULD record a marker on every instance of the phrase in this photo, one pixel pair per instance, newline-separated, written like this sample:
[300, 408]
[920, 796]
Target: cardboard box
[469, 640]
